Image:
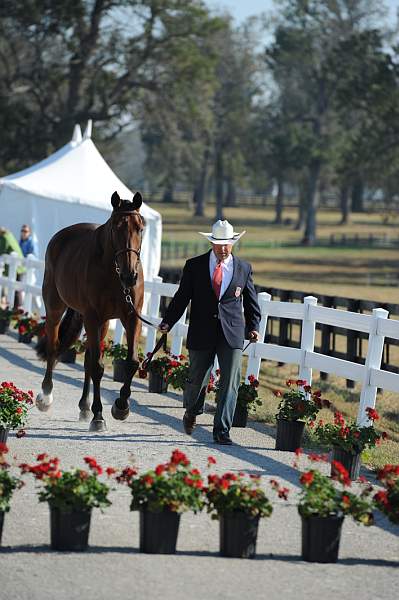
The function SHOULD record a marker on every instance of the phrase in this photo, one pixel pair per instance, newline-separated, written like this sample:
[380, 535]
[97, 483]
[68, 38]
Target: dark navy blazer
[207, 312]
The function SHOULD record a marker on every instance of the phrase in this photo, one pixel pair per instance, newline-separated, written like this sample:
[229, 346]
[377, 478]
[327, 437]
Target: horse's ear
[137, 200]
[115, 200]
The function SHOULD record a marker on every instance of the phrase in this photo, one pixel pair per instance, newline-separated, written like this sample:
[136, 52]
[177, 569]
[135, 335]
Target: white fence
[377, 326]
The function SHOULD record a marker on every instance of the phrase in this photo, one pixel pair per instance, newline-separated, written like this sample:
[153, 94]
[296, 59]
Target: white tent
[73, 185]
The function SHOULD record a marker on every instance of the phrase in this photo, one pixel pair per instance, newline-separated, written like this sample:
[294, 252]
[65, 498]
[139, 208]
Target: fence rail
[375, 326]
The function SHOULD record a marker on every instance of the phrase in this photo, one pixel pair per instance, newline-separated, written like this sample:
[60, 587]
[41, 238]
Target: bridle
[128, 249]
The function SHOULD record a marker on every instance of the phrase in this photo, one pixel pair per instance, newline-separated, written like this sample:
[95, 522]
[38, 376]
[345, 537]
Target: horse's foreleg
[120, 408]
[45, 398]
[84, 402]
[96, 371]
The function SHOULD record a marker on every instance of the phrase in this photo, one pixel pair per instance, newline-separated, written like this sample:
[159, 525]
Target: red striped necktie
[217, 279]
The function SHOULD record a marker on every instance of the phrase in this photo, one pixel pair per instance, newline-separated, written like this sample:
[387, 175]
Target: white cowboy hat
[222, 233]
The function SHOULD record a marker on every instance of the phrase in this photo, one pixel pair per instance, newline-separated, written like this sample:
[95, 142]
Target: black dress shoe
[222, 438]
[189, 423]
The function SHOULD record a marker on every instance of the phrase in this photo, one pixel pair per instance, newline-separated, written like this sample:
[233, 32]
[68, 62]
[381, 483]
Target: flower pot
[4, 434]
[289, 435]
[1, 524]
[25, 338]
[156, 383]
[240, 416]
[158, 531]
[69, 530]
[238, 534]
[350, 461]
[68, 356]
[119, 370]
[320, 538]
[4, 325]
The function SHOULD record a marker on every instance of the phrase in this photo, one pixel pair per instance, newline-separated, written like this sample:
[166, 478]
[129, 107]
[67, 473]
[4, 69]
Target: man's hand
[163, 327]
[253, 336]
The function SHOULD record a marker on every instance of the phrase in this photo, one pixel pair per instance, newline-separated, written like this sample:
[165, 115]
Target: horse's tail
[69, 331]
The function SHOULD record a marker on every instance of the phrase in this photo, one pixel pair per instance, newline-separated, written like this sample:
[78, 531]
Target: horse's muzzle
[128, 279]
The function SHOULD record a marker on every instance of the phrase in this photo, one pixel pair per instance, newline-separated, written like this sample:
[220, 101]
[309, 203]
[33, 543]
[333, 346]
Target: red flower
[372, 414]
[148, 480]
[3, 448]
[277, 393]
[179, 458]
[298, 451]
[42, 456]
[307, 478]
[110, 471]
[142, 374]
[340, 473]
[159, 469]
[211, 460]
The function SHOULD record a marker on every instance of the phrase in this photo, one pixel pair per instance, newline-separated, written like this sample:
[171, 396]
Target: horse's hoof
[84, 415]
[120, 414]
[98, 425]
[44, 401]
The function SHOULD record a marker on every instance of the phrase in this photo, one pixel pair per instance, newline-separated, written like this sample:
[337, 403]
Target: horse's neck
[103, 234]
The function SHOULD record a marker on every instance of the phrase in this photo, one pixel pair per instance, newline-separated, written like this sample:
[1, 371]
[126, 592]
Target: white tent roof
[72, 185]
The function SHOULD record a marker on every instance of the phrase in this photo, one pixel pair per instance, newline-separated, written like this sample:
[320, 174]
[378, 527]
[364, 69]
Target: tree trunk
[278, 219]
[219, 181]
[231, 196]
[199, 192]
[309, 237]
[357, 196]
[168, 194]
[301, 208]
[344, 204]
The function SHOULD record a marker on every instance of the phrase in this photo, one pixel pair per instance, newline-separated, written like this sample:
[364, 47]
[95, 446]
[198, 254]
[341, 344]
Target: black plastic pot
[238, 534]
[289, 435]
[240, 416]
[1, 524]
[25, 338]
[3, 435]
[158, 531]
[320, 538]
[4, 325]
[69, 530]
[350, 461]
[119, 370]
[156, 383]
[68, 356]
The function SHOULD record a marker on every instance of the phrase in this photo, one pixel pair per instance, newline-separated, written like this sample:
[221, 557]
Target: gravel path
[113, 568]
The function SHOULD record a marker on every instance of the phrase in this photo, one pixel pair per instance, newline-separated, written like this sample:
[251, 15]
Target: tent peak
[87, 133]
[77, 134]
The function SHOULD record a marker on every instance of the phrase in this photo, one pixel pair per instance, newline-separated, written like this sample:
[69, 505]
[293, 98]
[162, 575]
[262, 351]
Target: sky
[241, 9]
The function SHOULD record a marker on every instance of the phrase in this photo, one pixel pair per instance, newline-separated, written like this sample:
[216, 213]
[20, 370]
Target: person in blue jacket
[224, 311]
[26, 242]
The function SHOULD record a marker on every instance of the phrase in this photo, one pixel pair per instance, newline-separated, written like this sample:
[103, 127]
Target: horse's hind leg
[53, 318]
[84, 402]
[93, 331]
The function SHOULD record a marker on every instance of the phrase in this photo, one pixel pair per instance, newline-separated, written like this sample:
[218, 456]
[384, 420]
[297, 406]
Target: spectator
[9, 244]
[26, 241]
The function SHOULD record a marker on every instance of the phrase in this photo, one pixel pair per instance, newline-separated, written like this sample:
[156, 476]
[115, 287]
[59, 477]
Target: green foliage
[174, 486]
[387, 500]
[299, 403]
[14, 405]
[116, 351]
[232, 492]
[349, 436]
[178, 372]
[8, 483]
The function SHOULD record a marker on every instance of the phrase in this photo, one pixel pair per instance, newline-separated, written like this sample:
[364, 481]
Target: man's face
[222, 251]
[25, 232]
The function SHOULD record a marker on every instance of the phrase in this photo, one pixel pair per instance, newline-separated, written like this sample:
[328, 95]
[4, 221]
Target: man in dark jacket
[224, 310]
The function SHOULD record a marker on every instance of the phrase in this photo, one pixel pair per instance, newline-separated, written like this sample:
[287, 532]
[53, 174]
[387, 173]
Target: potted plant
[6, 314]
[298, 405]
[323, 506]
[8, 483]
[118, 353]
[387, 500]
[14, 407]
[247, 400]
[161, 495]
[348, 440]
[158, 370]
[178, 372]
[71, 496]
[238, 502]
[26, 325]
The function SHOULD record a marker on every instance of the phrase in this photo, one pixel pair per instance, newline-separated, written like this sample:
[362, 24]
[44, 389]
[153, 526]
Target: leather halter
[128, 249]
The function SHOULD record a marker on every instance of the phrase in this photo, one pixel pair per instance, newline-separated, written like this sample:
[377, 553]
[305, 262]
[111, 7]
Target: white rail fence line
[377, 326]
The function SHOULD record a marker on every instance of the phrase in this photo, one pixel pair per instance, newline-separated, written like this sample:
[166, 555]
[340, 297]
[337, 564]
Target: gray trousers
[201, 363]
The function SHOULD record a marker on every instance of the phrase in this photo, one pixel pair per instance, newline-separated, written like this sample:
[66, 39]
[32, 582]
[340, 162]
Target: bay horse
[93, 273]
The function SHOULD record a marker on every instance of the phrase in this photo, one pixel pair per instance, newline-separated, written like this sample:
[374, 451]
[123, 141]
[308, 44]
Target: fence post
[12, 276]
[373, 361]
[30, 279]
[153, 311]
[253, 364]
[307, 339]
[177, 339]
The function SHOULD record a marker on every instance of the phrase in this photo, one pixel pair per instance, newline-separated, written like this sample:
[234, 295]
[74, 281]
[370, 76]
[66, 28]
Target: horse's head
[127, 227]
